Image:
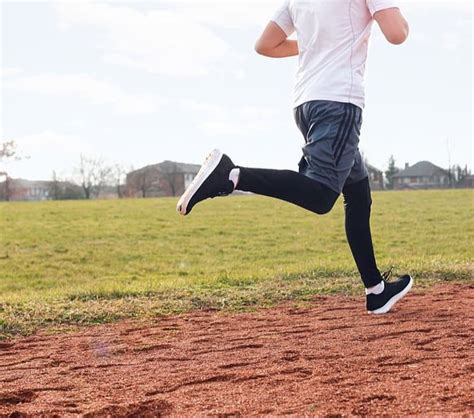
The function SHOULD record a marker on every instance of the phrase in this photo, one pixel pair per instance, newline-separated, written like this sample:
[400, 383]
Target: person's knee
[323, 209]
[357, 194]
[326, 204]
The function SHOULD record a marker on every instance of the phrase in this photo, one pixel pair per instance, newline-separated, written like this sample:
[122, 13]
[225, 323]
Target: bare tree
[145, 182]
[170, 174]
[62, 189]
[55, 187]
[93, 174]
[118, 174]
[5, 189]
[5, 186]
[8, 151]
[459, 175]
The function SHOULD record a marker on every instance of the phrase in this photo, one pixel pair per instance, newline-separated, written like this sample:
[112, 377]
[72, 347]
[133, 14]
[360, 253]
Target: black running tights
[314, 196]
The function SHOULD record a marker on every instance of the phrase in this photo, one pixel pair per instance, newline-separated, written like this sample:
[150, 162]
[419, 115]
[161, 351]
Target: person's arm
[393, 25]
[274, 43]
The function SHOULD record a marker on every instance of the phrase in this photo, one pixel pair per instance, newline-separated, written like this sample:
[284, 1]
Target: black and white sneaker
[212, 180]
[392, 293]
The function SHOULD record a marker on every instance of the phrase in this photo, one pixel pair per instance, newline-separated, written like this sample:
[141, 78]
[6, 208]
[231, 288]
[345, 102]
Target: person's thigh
[330, 154]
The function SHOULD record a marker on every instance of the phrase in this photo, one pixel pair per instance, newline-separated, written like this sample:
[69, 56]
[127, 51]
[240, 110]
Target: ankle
[375, 290]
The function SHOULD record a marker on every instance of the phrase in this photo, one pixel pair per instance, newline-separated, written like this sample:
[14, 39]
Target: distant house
[422, 175]
[167, 178]
[468, 181]
[31, 190]
[375, 177]
[21, 189]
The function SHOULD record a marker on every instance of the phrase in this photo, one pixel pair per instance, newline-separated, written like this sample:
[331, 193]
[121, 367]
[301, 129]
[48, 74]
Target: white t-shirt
[333, 39]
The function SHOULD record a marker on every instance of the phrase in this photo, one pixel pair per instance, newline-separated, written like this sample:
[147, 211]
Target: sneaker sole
[204, 172]
[394, 299]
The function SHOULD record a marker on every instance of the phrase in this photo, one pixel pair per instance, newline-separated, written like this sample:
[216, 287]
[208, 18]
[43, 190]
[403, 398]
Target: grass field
[78, 262]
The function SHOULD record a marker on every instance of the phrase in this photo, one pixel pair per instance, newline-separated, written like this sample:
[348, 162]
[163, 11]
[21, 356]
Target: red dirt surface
[328, 358]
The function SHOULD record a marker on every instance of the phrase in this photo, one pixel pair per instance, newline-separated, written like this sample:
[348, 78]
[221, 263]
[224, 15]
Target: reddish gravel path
[328, 359]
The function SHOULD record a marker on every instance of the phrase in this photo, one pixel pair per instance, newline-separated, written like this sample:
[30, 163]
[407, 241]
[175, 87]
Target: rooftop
[420, 169]
[168, 166]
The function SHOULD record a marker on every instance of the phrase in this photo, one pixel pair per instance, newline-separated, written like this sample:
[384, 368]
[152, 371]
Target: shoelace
[206, 161]
[386, 275]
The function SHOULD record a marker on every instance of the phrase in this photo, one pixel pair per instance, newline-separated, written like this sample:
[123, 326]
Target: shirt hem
[340, 99]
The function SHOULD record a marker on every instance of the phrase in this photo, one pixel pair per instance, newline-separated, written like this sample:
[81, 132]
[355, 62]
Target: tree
[93, 174]
[145, 181]
[63, 189]
[458, 175]
[170, 172]
[119, 173]
[5, 189]
[390, 172]
[55, 187]
[8, 151]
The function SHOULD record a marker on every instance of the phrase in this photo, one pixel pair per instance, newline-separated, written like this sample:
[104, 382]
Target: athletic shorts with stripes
[331, 152]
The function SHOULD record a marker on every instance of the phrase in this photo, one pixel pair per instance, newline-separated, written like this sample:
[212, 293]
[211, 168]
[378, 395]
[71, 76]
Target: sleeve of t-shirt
[283, 18]
[377, 5]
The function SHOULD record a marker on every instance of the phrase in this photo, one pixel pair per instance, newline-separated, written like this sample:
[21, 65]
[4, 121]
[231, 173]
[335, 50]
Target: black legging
[357, 203]
[314, 196]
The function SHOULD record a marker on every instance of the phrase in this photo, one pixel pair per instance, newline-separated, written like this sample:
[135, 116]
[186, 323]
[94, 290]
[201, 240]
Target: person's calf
[290, 186]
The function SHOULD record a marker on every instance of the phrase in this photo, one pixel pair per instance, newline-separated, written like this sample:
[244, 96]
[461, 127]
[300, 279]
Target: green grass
[80, 262]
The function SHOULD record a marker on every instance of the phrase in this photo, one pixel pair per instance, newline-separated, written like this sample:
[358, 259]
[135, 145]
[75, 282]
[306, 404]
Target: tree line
[92, 176]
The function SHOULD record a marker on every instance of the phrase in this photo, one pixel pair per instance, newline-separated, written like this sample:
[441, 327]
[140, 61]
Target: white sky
[138, 83]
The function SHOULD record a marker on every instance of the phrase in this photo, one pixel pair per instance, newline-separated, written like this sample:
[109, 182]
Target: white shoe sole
[204, 172]
[393, 300]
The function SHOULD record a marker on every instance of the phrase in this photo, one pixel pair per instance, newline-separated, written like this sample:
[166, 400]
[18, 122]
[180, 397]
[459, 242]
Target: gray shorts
[331, 152]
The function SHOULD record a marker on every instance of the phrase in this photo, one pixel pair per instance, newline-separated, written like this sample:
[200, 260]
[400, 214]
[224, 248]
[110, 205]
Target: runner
[332, 42]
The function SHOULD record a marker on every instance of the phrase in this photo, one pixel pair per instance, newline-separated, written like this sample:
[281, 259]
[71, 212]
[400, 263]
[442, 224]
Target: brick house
[34, 190]
[422, 175]
[375, 177]
[21, 189]
[167, 178]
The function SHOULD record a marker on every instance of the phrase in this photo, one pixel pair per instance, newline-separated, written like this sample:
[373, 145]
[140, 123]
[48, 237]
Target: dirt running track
[327, 359]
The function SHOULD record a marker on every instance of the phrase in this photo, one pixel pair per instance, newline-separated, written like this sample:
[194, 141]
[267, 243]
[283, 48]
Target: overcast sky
[138, 83]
